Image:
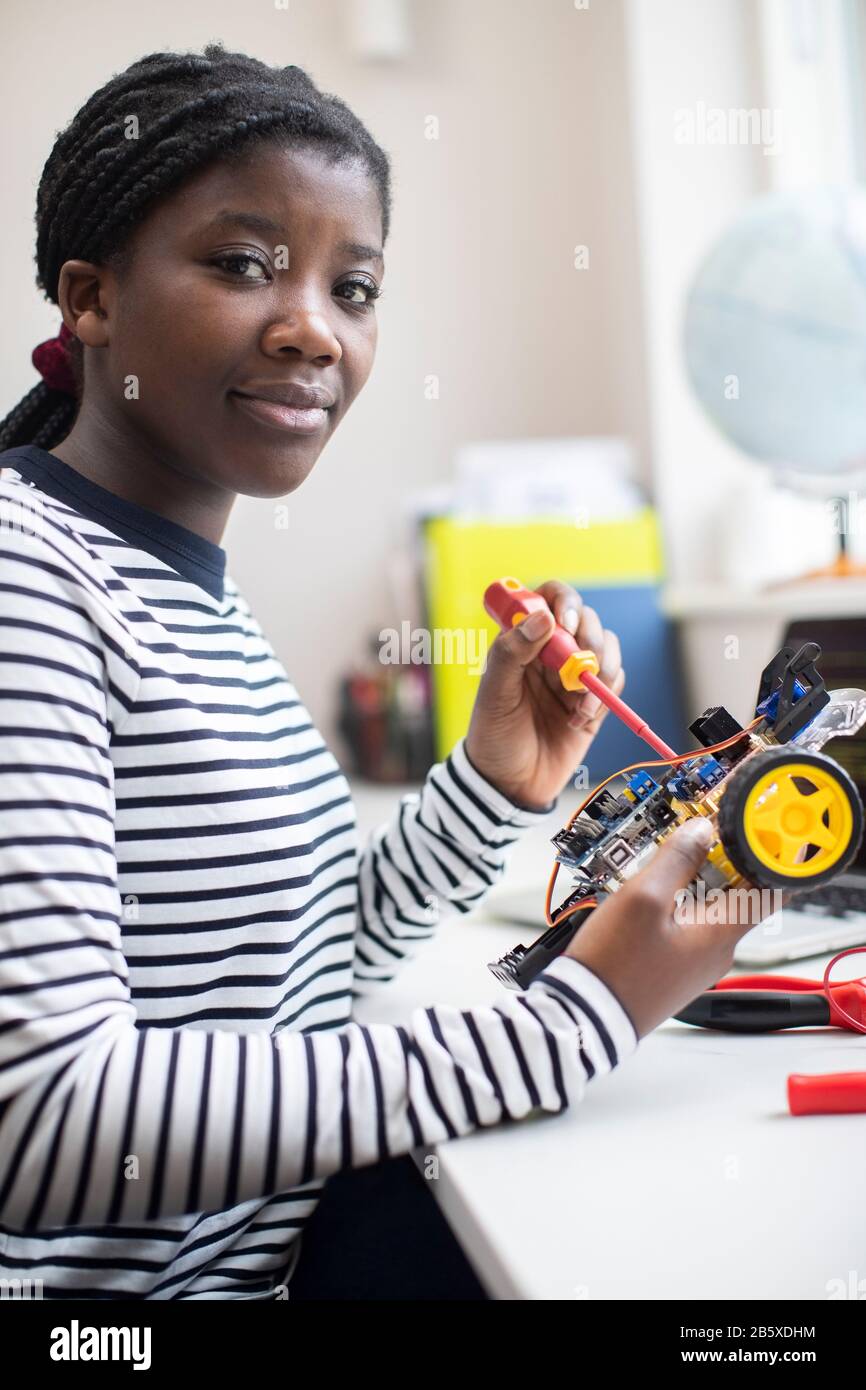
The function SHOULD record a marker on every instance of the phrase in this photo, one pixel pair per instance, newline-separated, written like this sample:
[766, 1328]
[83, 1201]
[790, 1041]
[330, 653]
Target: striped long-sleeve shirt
[186, 915]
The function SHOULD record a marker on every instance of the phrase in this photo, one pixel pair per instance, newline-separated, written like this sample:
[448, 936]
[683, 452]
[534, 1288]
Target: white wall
[533, 159]
[683, 53]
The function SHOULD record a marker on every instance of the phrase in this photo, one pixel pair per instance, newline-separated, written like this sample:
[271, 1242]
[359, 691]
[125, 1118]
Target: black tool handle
[755, 1011]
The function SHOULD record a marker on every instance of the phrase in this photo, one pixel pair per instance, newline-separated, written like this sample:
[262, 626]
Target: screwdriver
[508, 603]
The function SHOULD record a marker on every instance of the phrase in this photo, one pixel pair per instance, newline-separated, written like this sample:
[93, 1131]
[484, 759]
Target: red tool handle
[843, 1093]
[791, 984]
[508, 602]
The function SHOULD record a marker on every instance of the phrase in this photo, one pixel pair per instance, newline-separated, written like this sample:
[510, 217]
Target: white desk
[679, 1176]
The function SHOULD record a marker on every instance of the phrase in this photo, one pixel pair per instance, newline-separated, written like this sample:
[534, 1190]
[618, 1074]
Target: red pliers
[765, 1003]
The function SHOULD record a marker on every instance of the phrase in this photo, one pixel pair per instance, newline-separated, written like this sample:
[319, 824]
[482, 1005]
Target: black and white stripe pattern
[184, 917]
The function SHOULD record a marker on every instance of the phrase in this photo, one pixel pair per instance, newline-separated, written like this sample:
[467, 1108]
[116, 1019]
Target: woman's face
[254, 279]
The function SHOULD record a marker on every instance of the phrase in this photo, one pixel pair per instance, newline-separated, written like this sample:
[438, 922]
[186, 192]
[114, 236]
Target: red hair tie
[51, 359]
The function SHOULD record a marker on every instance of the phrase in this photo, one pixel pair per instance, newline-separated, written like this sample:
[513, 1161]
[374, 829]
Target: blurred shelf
[810, 599]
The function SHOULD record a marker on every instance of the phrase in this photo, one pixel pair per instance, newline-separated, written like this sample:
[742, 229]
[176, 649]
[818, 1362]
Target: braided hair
[191, 110]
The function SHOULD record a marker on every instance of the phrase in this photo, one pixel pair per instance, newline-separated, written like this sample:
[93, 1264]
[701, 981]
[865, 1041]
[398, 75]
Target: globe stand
[842, 567]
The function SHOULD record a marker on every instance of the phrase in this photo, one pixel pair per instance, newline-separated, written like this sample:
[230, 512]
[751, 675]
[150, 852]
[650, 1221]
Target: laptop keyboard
[844, 895]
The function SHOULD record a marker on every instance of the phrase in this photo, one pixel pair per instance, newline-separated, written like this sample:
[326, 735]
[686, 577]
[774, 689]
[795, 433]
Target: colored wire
[632, 767]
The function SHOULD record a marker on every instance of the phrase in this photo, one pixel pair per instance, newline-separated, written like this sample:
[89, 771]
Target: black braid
[43, 417]
[192, 110]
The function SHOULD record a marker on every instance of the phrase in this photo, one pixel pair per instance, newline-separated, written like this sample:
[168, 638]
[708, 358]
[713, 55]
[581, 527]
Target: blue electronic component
[710, 772]
[678, 786]
[695, 776]
[769, 707]
[641, 785]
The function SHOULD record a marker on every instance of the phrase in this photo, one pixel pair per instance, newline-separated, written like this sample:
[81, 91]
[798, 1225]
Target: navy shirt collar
[197, 559]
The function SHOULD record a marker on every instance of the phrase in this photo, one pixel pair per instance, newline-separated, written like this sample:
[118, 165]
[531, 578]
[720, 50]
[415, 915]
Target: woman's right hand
[654, 957]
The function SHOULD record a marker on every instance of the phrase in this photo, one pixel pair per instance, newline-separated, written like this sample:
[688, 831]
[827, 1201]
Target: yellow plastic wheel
[790, 819]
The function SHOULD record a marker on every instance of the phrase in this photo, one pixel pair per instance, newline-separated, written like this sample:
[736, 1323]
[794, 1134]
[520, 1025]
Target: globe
[775, 335]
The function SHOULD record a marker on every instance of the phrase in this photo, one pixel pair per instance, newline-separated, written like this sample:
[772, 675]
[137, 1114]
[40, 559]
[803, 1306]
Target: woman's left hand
[527, 734]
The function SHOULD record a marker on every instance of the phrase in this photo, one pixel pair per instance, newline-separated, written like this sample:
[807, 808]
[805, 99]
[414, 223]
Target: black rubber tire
[730, 818]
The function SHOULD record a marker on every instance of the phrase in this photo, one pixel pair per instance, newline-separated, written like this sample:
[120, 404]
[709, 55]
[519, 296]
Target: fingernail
[536, 624]
[591, 706]
[698, 828]
[569, 620]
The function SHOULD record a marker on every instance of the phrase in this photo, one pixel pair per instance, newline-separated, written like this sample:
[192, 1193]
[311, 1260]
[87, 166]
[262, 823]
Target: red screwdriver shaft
[628, 716]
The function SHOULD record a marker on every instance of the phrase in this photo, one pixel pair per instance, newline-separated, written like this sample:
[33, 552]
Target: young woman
[185, 915]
